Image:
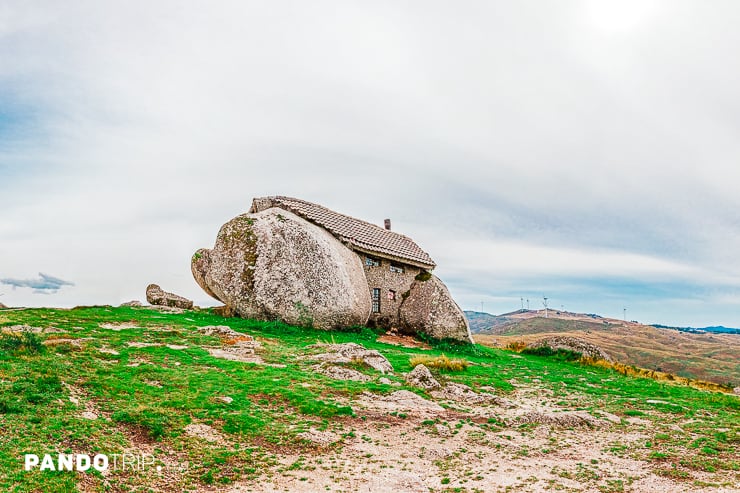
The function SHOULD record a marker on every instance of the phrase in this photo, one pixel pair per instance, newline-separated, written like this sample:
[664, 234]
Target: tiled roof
[358, 234]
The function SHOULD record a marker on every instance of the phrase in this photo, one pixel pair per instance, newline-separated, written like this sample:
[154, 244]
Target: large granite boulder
[430, 309]
[275, 265]
[156, 296]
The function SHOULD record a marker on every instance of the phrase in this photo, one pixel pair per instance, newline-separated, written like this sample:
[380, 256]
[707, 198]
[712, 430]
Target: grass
[440, 362]
[147, 396]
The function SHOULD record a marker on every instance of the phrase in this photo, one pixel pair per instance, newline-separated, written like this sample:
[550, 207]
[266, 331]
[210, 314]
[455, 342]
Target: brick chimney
[387, 223]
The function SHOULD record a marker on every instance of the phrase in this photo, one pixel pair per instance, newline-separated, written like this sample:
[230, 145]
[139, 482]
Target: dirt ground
[457, 449]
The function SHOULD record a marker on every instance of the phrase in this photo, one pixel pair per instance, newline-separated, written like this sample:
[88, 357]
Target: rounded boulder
[275, 265]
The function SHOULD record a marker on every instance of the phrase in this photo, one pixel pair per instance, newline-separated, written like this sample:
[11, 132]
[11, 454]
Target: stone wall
[382, 277]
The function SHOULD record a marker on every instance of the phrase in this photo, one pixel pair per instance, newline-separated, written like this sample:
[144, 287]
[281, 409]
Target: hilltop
[234, 405]
[714, 357]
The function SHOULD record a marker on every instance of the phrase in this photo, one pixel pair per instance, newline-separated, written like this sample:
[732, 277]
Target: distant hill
[719, 329]
[712, 355]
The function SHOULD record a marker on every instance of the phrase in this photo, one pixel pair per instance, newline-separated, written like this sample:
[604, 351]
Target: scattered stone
[138, 344]
[341, 373]
[89, 415]
[384, 381]
[156, 296]
[60, 341]
[736, 390]
[462, 393]
[108, 351]
[167, 309]
[119, 326]
[320, 438]
[153, 383]
[35, 330]
[400, 400]
[422, 378]
[176, 347]
[274, 264]
[221, 331]
[132, 303]
[610, 417]
[443, 430]
[204, 432]
[351, 352]
[225, 399]
[2, 307]
[575, 344]
[564, 419]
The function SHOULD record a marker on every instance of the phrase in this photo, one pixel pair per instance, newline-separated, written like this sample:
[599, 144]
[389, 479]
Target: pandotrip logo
[87, 463]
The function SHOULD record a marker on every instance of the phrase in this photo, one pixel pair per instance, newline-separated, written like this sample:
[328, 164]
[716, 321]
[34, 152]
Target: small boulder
[574, 344]
[462, 393]
[156, 296]
[422, 378]
[350, 352]
[133, 303]
[341, 373]
[429, 309]
[2, 306]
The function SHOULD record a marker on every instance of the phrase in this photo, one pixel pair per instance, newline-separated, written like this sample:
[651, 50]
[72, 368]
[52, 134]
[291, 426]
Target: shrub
[559, 354]
[442, 362]
[25, 341]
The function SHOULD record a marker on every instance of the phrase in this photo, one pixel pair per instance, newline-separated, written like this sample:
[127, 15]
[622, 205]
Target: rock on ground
[565, 419]
[422, 378]
[462, 393]
[576, 344]
[275, 265]
[2, 306]
[156, 296]
[132, 303]
[341, 373]
[429, 309]
[351, 352]
[400, 400]
[320, 438]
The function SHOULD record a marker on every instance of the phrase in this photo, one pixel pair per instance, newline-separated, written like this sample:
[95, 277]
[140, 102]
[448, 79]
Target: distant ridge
[709, 353]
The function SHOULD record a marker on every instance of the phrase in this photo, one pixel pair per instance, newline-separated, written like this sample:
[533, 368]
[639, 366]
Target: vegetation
[127, 377]
[440, 362]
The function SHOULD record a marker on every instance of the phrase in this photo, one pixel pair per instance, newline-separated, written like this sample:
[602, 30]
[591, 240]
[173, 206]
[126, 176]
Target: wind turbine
[624, 313]
[544, 303]
[522, 300]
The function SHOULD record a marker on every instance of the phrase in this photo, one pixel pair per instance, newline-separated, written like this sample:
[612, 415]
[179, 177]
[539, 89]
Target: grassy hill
[139, 381]
[707, 356]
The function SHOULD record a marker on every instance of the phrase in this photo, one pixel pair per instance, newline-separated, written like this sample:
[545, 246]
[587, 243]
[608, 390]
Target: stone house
[392, 261]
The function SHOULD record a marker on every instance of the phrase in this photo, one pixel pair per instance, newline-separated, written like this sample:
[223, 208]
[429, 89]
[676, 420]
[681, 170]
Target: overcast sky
[587, 151]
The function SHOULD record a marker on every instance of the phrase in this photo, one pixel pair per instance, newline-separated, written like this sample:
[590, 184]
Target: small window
[397, 268]
[376, 300]
[372, 262]
[391, 295]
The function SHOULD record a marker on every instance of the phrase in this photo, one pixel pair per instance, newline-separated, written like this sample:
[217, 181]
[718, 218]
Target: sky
[583, 151]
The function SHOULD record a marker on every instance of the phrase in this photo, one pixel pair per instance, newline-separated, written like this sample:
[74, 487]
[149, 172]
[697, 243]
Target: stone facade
[392, 286]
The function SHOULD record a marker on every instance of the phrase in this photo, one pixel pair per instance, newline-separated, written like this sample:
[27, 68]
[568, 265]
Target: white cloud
[561, 149]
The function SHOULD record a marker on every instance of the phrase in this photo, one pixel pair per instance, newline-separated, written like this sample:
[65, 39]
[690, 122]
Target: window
[391, 295]
[372, 262]
[376, 300]
[397, 268]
